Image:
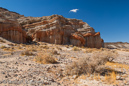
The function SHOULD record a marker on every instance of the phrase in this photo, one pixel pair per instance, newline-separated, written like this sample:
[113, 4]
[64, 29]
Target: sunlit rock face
[12, 33]
[10, 29]
[52, 29]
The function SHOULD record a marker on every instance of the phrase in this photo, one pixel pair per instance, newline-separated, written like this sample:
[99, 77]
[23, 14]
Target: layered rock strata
[10, 29]
[52, 29]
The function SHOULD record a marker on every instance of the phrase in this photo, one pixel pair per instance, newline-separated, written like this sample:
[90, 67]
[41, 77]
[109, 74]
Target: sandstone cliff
[52, 29]
[10, 29]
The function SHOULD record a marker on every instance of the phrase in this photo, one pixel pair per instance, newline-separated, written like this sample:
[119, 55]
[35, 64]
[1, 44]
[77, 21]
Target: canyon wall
[59, 30]
[51, 29]
[12, 33]
[10, 29]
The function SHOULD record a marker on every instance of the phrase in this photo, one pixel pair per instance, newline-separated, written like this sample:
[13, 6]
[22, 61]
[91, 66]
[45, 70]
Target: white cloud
[74, 10]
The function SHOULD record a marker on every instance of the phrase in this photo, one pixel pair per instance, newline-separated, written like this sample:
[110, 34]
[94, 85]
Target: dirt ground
[22, 70]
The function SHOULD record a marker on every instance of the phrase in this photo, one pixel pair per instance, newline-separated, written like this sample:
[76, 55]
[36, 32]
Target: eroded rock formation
[12, 33]
[10, 29]
[52, 29]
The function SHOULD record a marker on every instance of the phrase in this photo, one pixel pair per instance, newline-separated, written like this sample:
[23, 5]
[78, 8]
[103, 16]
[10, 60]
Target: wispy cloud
[74, 10]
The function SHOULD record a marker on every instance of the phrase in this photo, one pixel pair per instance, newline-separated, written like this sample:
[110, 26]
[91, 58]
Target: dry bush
[91, 50]
[82, 46]
[9, 49]
[27, 53]
[103, 49]
[45, 58]
[58, 48]
[76, 48]
[67, 46]
[11, 44]
[44, 46]
[54, 52]
[32, 49]
[23, 45]
[2, 47]
[18, 47]
[42, 43]
[70, 45]
[90, 64]
[2, 41]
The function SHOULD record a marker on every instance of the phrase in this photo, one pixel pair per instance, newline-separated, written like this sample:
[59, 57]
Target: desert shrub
[58, 48]
[33, 49]
[18, 47]
[27, 53]
[91, 50]
[23, 45]
[9, 49]
[91, 64]
[42, 43]
[70, 45]
[76, 48]
[82, 46]
[45, 47]
[45, 58]
[103, 49]
[11, 44]
[2, 47]
[54, 52]
[67, 46]
[2, 41]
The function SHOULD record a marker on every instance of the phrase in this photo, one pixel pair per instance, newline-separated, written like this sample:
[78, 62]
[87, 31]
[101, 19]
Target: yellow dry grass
[91, 50]
[110, 78]
[117, 65]
[83, 76]
[97, 76]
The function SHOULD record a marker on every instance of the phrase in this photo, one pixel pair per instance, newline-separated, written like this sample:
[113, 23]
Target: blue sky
[109, 17]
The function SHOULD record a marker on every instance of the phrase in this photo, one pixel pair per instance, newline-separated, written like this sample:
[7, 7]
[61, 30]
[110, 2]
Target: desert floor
[20, 67]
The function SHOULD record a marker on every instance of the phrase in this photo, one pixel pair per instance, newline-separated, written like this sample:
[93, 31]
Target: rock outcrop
[116, 45]
[10, 29]
[52, 29]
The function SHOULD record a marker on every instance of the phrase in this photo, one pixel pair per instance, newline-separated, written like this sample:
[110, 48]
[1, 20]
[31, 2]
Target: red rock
[52, 29]
[11, 30]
